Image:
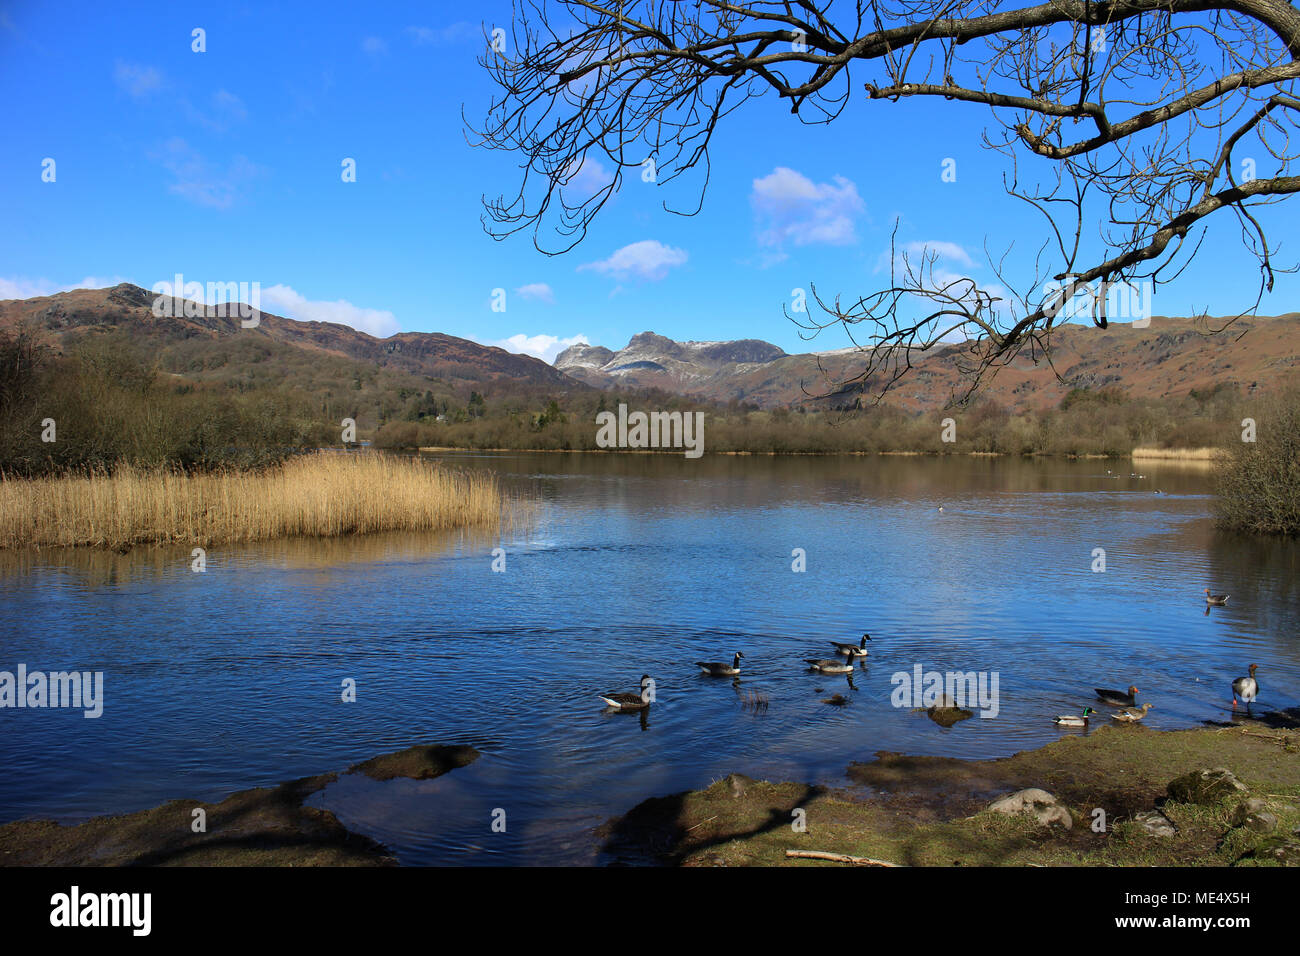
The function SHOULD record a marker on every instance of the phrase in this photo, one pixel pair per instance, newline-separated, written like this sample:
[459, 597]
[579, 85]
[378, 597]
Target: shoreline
[897, 808]
[907, 810]
[1189, 456]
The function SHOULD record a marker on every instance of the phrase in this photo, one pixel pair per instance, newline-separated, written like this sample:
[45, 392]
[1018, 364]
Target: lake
[230, 679]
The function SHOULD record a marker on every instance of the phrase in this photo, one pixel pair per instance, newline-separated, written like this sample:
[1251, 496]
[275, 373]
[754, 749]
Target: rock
[945, 713]
[1252, 813]
[1205, 787]
[1155, 823]
[1040, 804]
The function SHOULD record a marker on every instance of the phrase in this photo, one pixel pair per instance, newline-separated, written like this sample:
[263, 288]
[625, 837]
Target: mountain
[129, 309]
[653, 361]
[1170, 357]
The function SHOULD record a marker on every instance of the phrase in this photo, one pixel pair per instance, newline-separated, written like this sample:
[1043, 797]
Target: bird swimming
[1069, 720]
[718, 669]
[1132, 715]
[626, 701]
[853, 650]
[1217, 600]
[829, 667]
[1118, 697]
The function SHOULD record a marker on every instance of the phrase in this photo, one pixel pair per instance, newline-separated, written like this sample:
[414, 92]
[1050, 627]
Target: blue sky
[226, 166]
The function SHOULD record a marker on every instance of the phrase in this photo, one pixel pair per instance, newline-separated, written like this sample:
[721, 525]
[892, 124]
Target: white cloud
[538, 291]
[647, 259]
[18, 287]
[544, 347]
[135, 79]
[790, 207]
[202, 182]
[460, 31]
[374, 46]
[283, 300]
[590, 177]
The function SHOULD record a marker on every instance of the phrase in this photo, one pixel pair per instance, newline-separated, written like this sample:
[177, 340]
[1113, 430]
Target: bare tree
[1124, 123]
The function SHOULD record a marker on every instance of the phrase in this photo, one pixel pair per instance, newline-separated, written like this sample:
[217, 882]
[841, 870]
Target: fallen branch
[838, 858]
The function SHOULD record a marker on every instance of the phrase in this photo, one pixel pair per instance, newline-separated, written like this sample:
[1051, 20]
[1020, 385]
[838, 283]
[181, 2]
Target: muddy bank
[934, 811]
[266, 826]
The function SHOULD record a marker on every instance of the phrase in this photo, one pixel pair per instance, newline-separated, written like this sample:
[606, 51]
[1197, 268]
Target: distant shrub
[1259, 484]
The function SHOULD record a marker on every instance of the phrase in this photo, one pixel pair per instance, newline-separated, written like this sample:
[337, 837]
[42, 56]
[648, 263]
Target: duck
[717, 669]
[1217, 600]
[625, 701]
[1247, 688]
[1132, 715]
[1068, 720]
[853, 650]
[829, 667]
[1117, 697]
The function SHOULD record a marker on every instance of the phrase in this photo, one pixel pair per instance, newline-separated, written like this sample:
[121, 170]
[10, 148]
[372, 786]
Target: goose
[1118, 697]
[716, 669]
[1132, 714]
[1067, 720]
[638, 701]
[1218, 600]
[853, 650]
[829, 667]
[1247, 688]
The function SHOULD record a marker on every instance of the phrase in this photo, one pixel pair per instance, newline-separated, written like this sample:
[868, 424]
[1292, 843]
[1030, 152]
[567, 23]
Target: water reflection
[638, 564]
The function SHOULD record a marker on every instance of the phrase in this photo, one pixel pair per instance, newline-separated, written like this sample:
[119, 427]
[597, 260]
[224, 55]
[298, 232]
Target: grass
[932, 811]
[323, 494]
[1180, 454]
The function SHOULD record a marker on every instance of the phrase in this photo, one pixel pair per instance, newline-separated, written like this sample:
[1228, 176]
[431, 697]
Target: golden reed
[319, 494]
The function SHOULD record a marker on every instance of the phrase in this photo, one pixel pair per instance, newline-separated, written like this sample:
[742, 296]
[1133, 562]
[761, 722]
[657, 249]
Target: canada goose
[1247, 688]
[1118, 697]
[829, 667]
[853, 650]
[717, 669]
[1218, 600]
[1132, 715]
[638, 701]
[1067, 720]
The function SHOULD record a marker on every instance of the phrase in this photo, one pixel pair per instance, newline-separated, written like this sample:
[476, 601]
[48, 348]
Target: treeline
[1102, 422]
[105, 402]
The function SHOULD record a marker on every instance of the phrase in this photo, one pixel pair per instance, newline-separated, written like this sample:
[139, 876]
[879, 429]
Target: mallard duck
[829, 667]
[638, 701]
[1067, 720]
[1247, 688]
[1132, 715]
[1217, 600]
[1117, 697]
[717, 669]
[853, 650]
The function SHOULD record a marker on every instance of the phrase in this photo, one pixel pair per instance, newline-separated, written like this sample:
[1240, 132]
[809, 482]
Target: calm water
[222, 681]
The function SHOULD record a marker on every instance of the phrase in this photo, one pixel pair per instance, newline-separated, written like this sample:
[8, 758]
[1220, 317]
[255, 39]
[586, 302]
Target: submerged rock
[1155, 823]
[1039, 804]
[1205, 787]
[946, 712]
[418, 763]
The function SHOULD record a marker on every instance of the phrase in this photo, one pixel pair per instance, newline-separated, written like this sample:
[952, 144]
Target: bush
[1259, 485]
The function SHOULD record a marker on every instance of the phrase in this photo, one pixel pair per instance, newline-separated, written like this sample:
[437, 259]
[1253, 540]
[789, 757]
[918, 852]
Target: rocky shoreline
[1119, 796]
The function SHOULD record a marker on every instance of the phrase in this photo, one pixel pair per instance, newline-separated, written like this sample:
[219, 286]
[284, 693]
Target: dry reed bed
[315, 495]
